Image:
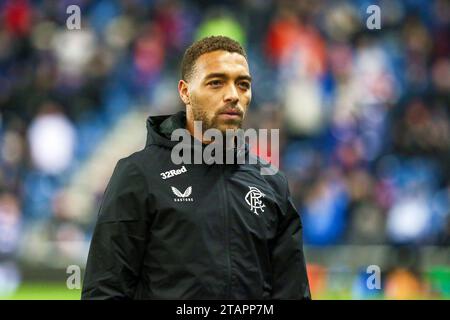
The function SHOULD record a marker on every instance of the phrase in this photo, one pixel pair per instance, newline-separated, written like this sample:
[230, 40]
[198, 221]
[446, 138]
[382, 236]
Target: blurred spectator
[52, 140]
[402, 284]
[148, 58]
[298, 50]
[325, 210]
[73, 49]
[409, 220]
[17, 15]
[318, 277]
[10, 225]
[222, 23]
[10, 236]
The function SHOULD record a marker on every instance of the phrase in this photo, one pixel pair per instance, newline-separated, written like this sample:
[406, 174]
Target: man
[197, 231]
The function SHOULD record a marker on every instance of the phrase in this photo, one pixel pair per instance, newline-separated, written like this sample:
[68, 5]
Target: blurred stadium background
[364, 118]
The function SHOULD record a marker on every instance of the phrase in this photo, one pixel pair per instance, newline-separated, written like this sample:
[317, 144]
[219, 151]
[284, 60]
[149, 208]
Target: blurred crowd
[364, 114]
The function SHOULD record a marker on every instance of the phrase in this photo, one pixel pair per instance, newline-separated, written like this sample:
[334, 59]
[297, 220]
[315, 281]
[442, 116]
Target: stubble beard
[215, 122]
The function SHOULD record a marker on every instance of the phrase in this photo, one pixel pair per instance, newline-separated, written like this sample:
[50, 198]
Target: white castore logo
[182, 196]
[253, 199]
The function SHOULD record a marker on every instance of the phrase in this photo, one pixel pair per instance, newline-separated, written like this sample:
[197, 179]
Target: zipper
[227, 232]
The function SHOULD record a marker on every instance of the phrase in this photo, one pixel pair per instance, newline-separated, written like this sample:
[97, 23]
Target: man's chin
[228, 126]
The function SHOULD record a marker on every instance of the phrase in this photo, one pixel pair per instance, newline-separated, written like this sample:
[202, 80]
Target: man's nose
[231, 94]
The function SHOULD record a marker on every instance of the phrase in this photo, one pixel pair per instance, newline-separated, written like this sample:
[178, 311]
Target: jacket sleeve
[290, 280]
[120, 236]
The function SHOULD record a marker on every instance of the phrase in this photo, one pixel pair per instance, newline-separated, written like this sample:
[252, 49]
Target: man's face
[218, 91]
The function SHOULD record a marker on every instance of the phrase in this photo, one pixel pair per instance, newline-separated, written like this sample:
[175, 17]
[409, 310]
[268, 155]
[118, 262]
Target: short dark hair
[205, 45]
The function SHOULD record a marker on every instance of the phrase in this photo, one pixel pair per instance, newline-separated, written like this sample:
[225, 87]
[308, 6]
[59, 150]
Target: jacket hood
[160, 128]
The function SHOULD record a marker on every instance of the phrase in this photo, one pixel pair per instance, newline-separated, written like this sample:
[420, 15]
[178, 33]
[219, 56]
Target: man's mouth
[231, 114]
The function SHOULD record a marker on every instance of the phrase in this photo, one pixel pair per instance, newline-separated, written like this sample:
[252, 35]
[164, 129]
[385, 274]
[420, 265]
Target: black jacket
[192, 233]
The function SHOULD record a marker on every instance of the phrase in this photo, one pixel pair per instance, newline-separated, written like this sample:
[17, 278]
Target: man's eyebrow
[223, 75]
[245, 77]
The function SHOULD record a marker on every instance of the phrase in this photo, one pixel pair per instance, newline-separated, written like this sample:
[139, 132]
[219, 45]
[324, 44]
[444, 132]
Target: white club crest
[253, 199]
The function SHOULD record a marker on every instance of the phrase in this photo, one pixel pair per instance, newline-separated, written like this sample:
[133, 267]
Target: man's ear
[183, 90]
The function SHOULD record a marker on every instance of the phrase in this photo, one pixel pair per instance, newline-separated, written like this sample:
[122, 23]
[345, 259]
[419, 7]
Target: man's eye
[215, 83]
[244, 85]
